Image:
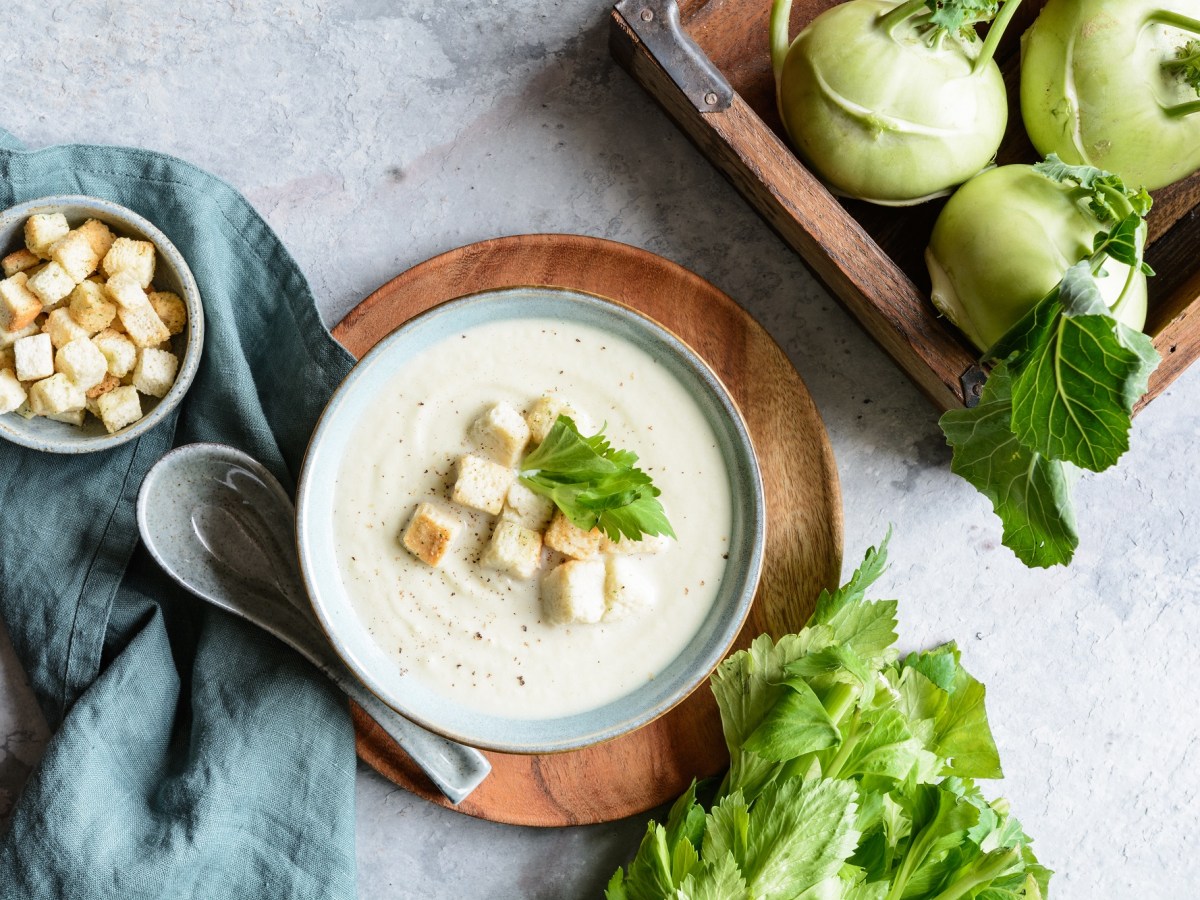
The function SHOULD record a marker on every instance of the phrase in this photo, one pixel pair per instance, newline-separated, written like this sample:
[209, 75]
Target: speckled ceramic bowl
[171, 274]
[421, 701]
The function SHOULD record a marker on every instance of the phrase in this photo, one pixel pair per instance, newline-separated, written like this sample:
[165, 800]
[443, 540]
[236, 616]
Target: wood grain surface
[643, 769]
[872, 257]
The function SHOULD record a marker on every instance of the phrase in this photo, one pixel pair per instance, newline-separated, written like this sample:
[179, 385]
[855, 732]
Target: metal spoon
[221, 525]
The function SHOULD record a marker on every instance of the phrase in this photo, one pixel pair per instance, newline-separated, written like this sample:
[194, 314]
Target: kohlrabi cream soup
[482, 587]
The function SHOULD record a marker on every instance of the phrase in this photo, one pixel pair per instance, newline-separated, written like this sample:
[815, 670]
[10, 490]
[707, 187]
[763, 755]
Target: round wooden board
[643, 769]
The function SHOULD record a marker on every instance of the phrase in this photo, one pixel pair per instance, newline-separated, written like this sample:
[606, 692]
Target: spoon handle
[455, 768]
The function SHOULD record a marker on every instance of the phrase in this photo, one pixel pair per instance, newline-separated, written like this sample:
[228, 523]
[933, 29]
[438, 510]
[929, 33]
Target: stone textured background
[375, 134]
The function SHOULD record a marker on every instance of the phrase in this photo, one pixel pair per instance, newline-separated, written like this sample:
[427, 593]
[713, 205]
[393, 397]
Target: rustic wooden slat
[870, 257]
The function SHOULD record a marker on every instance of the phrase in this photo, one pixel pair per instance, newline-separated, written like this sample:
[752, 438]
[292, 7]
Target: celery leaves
[849, 781]
[594, 484]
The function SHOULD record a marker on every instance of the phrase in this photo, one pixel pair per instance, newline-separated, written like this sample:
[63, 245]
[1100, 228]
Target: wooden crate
[707, 62]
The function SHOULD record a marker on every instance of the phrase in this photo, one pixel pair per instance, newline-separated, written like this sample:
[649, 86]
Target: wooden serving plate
[643, 769]
[707, 63]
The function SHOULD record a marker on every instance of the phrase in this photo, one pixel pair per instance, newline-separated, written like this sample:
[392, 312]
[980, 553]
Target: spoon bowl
[221, 526]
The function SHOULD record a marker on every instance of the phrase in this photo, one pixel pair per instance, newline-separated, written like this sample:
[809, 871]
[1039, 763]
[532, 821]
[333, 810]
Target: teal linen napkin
[193, 755]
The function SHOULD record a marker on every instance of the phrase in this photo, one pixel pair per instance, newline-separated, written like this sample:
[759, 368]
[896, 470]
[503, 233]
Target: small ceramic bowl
[358, 397]
[171, 273]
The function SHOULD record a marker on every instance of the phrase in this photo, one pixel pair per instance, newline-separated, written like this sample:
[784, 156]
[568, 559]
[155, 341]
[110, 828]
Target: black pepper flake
[478, 636]
[521, 680]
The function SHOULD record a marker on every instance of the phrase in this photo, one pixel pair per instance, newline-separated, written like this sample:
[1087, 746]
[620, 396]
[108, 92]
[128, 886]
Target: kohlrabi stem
[995, 32]
[781, 14]
[891, 19]
[1175, 20]
[1182, 109]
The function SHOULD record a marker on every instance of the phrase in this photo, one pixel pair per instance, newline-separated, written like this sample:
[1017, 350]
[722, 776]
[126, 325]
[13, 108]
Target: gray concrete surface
[375, 134]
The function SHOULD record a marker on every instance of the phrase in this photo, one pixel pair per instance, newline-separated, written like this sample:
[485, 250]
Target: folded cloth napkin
[193, 755]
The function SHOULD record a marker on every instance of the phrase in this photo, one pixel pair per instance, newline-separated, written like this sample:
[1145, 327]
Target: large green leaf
[719, 879]
[1029, 491]
[1073, 396]
[800, 834]
[795, 725]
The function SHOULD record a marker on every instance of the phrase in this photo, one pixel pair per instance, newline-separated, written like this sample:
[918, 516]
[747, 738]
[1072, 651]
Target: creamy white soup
[477, 635]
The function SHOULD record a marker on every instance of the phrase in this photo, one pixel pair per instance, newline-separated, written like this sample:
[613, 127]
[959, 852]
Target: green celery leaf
[667, 855]
[718, 879]
[941, 816]
[1071, 398]
[939, 665]
[727, 831]
[594, 485]
[1028, 490]
[747, 686]
[868, 628]
[800, 834]
[795, 725]
[887, 748]
[959, 732]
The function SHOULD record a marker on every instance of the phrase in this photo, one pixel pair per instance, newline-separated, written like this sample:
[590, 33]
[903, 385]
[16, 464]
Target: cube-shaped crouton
[430, 533]
[18, 261]
[35, 357]
[52, 285]
[501, 433]
[12, 392]
[119, 407]
[125, 290]
[513, 549]
[62, 328]
[118, 349]
[155, 371]
[73, 417]
[9, 338]
[569, 540]
[481, 484]
[108, 383]
[574, 592]
[135, 257]
[545, 412]
[170, 309]
[90, 308]
[99, 235]
[526, 508]
[74, 252]
[43, 230]
[628, 590]
[19, 306]
[649, 545]
[82, 362]
[142, 325]
[56, 394]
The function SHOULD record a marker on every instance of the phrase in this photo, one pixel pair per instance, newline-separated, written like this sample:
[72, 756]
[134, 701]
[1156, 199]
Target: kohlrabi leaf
[1108, 197]
[1186, 64]
[1030, 492]
[958, 15]
[1071, 398]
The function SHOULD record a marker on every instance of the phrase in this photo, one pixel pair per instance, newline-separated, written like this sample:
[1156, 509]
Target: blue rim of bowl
[194, 342]
[747, 580]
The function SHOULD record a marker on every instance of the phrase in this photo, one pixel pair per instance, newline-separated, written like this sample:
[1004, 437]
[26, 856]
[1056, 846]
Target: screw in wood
[710, 98]
[647, 15]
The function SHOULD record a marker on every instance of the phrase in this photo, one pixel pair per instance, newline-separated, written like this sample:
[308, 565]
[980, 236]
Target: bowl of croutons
[101, 325]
